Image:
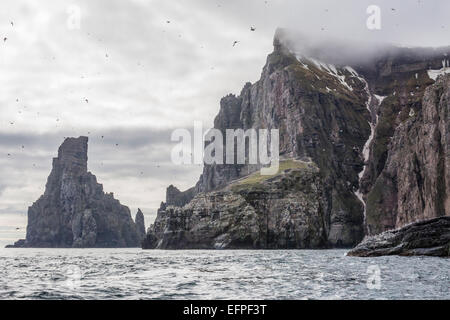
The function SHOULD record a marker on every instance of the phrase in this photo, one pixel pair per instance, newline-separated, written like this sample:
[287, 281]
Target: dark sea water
[160, 274]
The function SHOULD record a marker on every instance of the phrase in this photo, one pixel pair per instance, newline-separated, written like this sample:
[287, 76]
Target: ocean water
[202, 274]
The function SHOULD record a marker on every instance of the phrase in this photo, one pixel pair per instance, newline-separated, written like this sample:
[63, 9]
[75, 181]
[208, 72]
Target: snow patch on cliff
[434, 74]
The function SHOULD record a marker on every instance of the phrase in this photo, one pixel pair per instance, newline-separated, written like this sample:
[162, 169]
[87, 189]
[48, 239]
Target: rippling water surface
[155, 274]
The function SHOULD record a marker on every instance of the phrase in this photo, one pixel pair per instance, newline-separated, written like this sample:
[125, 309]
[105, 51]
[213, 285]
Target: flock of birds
[86, 99]
[235, 42]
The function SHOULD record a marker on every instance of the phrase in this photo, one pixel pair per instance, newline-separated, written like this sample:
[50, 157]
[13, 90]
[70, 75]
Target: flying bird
[87, 101]
[4, 39]
[235, 43]
[252, 28]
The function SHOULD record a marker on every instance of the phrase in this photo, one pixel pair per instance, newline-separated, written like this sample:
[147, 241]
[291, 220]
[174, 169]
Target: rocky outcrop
[429, 238]
[140, 224]
[74, 211]
[325, 120]
[18, 244]
[355, 115]
[285, 211]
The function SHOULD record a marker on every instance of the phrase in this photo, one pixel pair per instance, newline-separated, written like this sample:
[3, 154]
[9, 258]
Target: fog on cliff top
[134, 70]
[343, 51]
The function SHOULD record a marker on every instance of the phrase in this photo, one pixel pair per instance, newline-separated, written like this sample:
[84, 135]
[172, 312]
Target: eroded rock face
[415, 182]
[429, 238]
[74, 211]
[282, 212]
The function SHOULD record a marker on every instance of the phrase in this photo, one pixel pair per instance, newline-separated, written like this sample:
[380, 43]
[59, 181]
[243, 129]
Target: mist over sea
[201, 274]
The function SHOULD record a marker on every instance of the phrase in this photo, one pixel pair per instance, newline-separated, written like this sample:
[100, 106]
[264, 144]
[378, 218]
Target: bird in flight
[235, 43]
[252, 28]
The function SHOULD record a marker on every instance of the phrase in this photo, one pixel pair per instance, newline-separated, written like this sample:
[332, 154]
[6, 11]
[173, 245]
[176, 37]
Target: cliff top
[73, 152]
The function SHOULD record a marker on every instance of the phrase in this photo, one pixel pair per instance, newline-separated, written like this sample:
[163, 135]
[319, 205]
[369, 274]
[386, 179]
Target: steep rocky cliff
[74, 211]
[415, 181]
[347, 112]
[278, 212]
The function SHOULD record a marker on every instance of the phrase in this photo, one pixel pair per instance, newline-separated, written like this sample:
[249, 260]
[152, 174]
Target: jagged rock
[280, 212]
[74, 211]
[428, 238]
[140, 224]
[175, 197]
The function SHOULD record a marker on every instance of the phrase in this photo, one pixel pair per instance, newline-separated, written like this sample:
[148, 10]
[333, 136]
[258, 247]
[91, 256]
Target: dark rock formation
[18, 244]
[363, 119]
[140, 224]
[74, 211]
[429, 238]
[280, 212]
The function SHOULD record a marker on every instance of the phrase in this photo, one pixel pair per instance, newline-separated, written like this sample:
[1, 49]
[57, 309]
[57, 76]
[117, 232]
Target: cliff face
[74, 211]
[357, 119]
[414, 183]
[280, 212]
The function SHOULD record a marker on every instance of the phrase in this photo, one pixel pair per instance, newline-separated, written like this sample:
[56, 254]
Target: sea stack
[140, 224]
[74, 211]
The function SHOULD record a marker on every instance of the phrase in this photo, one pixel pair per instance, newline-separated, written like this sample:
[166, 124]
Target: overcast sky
[146, 68]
